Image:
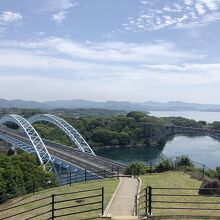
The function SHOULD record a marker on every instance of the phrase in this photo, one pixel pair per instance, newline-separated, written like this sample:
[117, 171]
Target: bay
[202, 149]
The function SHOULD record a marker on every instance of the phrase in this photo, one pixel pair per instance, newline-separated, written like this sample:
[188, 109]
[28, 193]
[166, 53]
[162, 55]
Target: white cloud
[207, 19]
[59, 17]
[166, 8]
[156, 82]
[8, 17]
[200, 9]
[55, 68]
[144, 2]
[186, 68]
[105, 51]
[188, 2]
[181, 14]
[58, 5]
[211, 4]
[117, 60]
[25, 60]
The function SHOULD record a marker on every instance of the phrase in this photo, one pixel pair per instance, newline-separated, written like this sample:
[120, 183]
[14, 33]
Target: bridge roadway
[94, 164]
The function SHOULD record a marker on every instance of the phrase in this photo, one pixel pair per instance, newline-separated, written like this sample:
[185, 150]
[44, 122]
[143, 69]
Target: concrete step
[118, 218]
[124, 217]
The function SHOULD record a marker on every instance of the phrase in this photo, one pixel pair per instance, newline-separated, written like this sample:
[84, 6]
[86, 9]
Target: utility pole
[9, 108]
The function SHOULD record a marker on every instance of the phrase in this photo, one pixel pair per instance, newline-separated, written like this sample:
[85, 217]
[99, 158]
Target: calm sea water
[202, 149]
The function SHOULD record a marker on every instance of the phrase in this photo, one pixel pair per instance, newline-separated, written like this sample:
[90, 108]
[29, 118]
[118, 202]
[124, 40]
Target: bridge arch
[37, 143]
[67, 128]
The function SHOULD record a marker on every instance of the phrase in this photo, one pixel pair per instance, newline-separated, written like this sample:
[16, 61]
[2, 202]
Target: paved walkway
[124, 201]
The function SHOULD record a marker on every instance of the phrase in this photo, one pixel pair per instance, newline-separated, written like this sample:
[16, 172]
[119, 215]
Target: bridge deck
[70, 155]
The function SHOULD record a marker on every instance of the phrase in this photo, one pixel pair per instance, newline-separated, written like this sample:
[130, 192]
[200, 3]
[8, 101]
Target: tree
[202, 123]
[136, 168]
[180, 121]
[136, 115]
[12, 125]
[104, 136]
[184, 161]
[216, 125]
[19, 172]
[123, 138]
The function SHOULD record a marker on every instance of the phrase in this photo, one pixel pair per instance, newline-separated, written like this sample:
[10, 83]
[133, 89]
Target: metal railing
[178, 202]
[174, 164]
[58, 205]
[85, 175]
[65, 179]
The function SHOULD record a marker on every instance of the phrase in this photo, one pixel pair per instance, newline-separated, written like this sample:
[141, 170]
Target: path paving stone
[124, 201]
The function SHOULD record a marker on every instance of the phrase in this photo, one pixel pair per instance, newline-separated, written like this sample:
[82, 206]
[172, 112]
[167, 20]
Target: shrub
[135, 168]
[217, 170]
[164, 165]
[211, 174]
[184, 161]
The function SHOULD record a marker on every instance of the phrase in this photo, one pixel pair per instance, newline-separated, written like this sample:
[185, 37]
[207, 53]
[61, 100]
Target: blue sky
[135, 50]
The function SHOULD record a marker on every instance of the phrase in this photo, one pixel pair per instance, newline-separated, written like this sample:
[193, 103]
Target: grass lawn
[178, 180]
[108, 184]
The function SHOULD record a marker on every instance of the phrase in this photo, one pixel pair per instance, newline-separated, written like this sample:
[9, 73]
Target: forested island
[104, 128]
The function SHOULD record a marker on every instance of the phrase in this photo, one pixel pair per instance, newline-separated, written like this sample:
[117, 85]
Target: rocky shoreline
[159, 134]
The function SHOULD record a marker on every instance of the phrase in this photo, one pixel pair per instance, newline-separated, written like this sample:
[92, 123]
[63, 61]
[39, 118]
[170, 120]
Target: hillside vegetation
[18, 174]
[102, 127]
[114, 130]
[100, 131]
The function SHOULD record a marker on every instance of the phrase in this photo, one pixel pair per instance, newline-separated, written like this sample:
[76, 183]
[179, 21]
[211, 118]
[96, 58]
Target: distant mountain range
[110, 105]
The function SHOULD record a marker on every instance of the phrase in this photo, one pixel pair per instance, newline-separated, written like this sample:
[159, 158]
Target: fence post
[75, 177]
[150, 201]
[136, 205]
[102, 200]
[53, 209]
[177, 161]
[85, 176]
[118, 172]
[203, 171]
[70, 178]
[112, 170]
[146, 200]
[104, 173]
[33, 187]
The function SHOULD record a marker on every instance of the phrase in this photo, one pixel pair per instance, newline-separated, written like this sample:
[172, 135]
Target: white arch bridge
[80, 155]
[74, 135]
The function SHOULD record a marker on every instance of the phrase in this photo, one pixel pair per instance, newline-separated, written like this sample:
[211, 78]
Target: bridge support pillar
[15, 149]
[59, 168]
